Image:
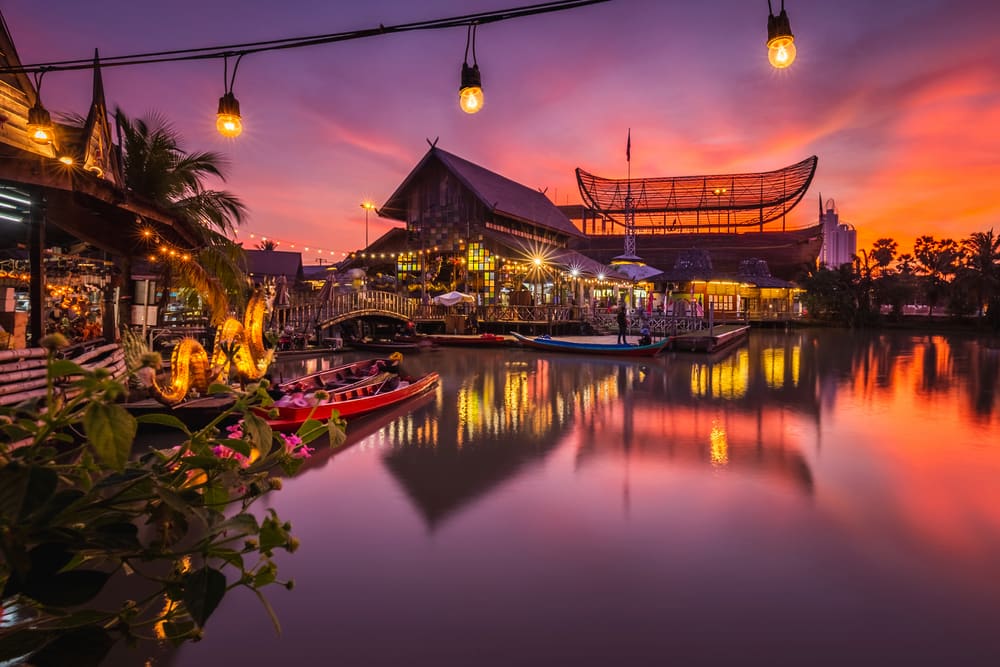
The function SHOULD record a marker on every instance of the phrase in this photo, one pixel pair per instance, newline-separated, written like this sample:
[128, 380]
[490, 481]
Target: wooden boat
[555, 345]
[337, 377]
[483, 340]
[378, 392]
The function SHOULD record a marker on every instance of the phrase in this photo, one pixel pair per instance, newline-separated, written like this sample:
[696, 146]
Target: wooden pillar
[36, 255]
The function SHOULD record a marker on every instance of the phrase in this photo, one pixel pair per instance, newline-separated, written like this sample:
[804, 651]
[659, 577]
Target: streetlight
[718, 206]
[368, 206]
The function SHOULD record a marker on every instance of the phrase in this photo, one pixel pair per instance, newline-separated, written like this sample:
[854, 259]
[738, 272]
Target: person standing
[622, 325]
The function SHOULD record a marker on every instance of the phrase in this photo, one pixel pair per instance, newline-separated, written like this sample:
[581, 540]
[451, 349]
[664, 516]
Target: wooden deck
[710, 340]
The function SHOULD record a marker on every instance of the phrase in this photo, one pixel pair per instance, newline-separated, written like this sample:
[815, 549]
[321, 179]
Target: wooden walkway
[710, 340]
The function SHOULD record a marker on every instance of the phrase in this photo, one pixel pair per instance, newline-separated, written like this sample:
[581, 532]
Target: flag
[628, 146]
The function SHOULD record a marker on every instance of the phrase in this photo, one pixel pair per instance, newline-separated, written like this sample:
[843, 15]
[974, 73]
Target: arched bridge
[345, 307]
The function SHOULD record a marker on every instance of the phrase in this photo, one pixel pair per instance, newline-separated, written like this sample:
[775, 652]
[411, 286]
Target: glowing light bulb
[781, 52]
[228, 121]
[471, 99]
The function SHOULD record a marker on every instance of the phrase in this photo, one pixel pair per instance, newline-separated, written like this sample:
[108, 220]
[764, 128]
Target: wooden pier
[710, 340]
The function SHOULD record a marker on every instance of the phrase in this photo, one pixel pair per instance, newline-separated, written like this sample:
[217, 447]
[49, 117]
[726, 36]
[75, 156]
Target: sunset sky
[900, 99]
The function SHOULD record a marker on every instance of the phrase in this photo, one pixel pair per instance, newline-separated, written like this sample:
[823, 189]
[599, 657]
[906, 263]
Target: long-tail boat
[378, 391]
[603, 349]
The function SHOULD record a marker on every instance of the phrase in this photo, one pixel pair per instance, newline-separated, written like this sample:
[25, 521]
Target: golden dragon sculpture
[239, 344]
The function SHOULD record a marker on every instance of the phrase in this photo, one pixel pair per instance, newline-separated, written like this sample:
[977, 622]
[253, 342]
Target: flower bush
[78, 507]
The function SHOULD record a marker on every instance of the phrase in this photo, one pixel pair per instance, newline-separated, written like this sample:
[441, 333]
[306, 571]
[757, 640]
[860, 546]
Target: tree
[980, 271]
[937, 263]
[157, 168]
[267, 245]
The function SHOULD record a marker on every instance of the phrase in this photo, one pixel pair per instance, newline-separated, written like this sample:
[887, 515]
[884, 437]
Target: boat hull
[601, 349]
[483, 340]
[290, 418]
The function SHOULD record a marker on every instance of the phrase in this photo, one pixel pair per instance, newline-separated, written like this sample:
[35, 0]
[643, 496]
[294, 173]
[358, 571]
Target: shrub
[78, 507]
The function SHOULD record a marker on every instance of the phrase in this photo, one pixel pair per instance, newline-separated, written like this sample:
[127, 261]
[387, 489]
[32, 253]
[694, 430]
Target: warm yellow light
[40, 135]
[367, 205]
[471, 99]
[228, 121]
[66, 160]
[781, 51]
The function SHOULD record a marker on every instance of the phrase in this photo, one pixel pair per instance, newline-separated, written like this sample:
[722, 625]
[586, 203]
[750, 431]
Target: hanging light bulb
[40, 128]
[470, 94]
[780, 41]
[228, 121]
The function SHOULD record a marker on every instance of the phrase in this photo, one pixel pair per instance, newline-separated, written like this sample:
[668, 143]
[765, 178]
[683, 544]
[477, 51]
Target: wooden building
[468, 228]
[66, 221]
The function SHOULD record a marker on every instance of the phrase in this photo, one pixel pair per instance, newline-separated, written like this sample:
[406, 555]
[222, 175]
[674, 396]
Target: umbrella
[328, 291]
[453, 298]
[281, 296]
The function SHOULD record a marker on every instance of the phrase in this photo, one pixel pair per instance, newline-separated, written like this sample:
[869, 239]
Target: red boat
[339, 377]
[483, 340]
[378, 391]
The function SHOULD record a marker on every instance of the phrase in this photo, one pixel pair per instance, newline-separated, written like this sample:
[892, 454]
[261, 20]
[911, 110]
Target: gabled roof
[274, 263]
[98, 156]
[499, 194]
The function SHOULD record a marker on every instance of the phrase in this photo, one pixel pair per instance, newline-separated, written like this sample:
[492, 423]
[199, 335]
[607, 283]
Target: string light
[229, 122]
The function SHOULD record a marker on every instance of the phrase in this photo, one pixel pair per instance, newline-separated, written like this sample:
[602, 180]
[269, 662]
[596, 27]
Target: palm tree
[981, 269]
[157, 168]
[268, 245]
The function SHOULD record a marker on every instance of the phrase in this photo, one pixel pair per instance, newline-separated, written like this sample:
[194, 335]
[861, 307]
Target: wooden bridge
[316, 316]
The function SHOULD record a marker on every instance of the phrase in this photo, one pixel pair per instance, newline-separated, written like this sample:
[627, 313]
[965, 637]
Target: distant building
[840, 240]
[273, 264]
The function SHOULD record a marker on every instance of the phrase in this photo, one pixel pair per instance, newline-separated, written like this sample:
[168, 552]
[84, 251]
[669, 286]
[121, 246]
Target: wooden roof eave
[50, 176]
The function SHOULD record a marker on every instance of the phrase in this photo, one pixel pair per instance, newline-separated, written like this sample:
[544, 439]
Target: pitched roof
[497, 193]
[274, 263]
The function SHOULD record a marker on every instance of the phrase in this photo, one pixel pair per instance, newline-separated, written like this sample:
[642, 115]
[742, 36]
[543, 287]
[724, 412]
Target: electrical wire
[205, 53]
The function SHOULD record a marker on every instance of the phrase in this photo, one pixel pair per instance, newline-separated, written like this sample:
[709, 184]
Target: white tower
[840, 240]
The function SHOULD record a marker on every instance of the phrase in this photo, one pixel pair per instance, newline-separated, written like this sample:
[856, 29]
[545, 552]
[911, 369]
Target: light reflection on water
[813, 497]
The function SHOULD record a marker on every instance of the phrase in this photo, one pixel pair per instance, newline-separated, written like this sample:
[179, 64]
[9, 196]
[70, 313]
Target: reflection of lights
[170, 605]
[775, 361]
[728, 379]
[720, 445]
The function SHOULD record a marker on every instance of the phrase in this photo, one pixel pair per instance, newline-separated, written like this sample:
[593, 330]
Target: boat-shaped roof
[722, 202]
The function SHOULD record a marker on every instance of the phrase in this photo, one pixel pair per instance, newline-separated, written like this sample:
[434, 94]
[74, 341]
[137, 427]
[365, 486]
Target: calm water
[814, 497]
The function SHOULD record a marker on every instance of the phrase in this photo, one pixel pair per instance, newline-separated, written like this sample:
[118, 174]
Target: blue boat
[556, 345]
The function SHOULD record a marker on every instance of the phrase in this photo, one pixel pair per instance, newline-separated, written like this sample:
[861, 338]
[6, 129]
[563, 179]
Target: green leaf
[216, 496]
[266, 575]
[41, 487]
[310, 430]
[203, 590]
[65, 589]
[24, 489]
[63, 367]
[338, 434]
[258, 432]
[241, 446]
[241, 524]
[178, 631]
[20, 643]
[219, 388]
[111, 432]
[162, 419]
[80, 647]
[272, 535]
[13, 483]
[230, 556]
[118, 535]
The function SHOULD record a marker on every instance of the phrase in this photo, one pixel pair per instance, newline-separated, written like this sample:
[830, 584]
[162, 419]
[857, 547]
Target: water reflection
[755, 409]
[824, 496]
